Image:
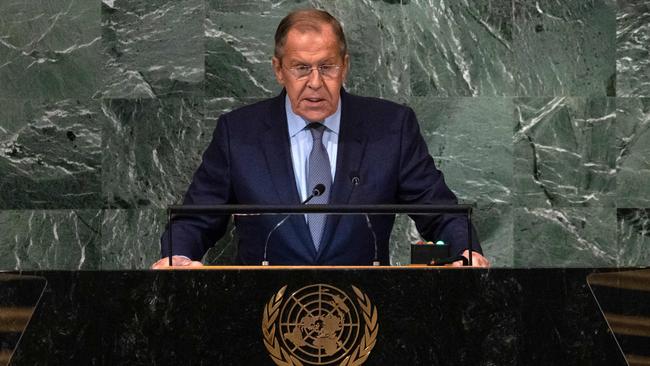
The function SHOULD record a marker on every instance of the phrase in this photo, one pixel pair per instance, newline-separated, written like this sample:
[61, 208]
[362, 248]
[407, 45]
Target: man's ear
[346, 63]
[277, 69]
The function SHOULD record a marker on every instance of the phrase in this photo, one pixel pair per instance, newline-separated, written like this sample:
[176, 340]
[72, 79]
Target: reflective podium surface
[19, 296]
[624, 299]
[326, 316]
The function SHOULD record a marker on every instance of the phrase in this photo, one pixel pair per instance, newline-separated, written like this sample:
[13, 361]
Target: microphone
[354, 178]
[315, 192]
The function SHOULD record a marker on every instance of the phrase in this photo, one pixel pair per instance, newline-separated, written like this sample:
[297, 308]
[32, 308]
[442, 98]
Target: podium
[323, 315]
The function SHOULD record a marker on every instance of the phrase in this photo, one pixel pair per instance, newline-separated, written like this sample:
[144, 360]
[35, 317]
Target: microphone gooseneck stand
[317, 191]
[354, 178]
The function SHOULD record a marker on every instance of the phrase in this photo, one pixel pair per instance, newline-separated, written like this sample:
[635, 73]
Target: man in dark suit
[363, 151]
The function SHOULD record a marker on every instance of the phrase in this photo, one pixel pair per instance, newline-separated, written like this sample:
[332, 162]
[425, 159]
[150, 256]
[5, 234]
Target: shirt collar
[297, 123]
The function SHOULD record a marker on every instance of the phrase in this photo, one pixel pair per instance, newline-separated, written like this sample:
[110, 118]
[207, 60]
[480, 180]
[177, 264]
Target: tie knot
[316, 129]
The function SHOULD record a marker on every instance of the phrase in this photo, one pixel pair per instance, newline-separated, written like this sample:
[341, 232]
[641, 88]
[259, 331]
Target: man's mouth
[314, 100]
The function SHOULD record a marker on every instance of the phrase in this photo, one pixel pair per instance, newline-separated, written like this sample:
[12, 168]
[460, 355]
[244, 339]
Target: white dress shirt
[301, 142]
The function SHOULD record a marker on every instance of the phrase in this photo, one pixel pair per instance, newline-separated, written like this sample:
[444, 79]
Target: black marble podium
[215, 316]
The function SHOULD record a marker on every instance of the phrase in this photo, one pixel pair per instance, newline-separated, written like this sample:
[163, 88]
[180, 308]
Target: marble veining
[470, 141]
[564, 152]
[152, 147]
[633, 235]
[565, 48]
[565, 237]
[633, 49]
[459, 48]
[152, 48]
[49, 49]
[50, 154]
[130, 239]
[633, 146]
[54, 239]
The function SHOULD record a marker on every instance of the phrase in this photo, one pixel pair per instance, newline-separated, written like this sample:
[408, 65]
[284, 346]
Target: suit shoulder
[250, 113]
[382, 112]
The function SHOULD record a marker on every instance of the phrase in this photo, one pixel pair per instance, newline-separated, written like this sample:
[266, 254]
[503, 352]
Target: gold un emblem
[319, 325]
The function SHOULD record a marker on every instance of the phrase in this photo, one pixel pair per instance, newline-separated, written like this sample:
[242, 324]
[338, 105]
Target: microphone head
[318, 190]
[354, 178]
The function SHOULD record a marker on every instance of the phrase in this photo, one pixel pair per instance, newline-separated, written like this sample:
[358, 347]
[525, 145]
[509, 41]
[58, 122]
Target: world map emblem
[319, 325]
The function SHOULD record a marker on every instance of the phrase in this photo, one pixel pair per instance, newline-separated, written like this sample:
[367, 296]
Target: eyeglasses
[303, 71]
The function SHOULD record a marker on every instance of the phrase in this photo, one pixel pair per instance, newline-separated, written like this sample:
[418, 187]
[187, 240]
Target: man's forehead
[306, 26]
[324, 32]
[295, 57]
[304, 44]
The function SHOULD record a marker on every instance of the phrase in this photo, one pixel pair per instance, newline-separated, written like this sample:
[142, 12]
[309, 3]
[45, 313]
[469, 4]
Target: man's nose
[314, 81]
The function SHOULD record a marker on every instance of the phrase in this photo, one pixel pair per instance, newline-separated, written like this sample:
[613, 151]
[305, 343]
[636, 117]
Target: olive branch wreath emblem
[283, 358]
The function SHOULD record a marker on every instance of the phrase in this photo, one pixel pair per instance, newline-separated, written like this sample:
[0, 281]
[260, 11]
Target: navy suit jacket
[249, 162]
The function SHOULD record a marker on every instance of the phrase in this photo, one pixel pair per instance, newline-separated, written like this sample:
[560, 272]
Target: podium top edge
[320, 208]
[264, 268]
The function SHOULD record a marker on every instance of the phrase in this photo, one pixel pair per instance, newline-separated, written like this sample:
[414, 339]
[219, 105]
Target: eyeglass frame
[294, 69]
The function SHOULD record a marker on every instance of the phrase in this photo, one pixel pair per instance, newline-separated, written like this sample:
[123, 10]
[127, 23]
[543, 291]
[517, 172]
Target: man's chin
[315, 116]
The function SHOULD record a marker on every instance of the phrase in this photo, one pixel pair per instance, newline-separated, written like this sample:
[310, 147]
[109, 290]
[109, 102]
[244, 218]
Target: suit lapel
[277, 151]
[351, 146]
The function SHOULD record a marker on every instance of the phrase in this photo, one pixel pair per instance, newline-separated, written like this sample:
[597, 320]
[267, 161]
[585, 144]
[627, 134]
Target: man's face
[313, 97]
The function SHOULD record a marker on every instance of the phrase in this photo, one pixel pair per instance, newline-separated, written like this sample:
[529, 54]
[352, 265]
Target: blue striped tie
[319, 172]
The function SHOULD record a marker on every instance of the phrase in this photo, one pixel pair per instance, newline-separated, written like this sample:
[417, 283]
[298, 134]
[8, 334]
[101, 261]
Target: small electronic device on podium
[427, 252]
[434, 254]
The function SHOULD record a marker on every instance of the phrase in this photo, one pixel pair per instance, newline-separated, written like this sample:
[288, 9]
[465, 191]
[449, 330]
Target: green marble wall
[537, 111]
